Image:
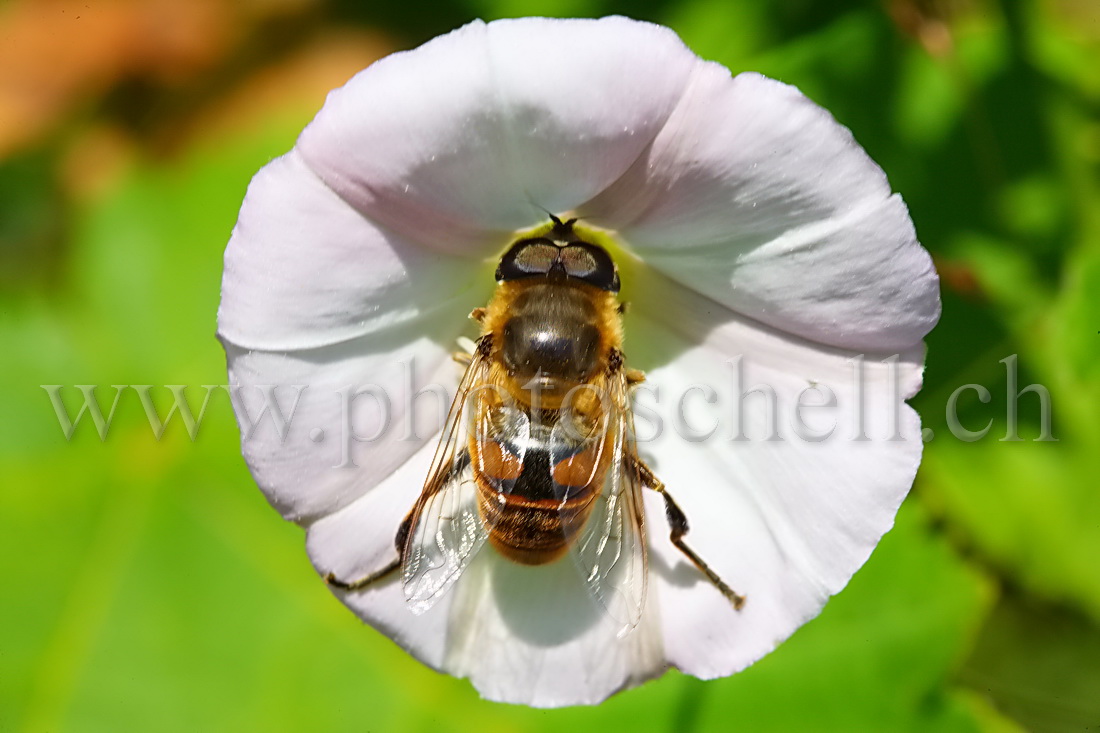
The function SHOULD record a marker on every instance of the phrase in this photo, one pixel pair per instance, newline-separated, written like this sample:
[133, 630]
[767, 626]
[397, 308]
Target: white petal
[303, 269]
[541, 640]
[329, 457]
[361, 251]
[758, 198]
[479, 128]
[785, 522]
[527, 635]
[359, 540]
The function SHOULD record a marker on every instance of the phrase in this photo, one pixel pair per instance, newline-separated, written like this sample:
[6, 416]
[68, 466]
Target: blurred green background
[147, 585]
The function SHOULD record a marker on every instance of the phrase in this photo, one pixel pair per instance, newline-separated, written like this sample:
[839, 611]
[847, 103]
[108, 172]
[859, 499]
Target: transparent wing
[446, 530]
[609, 542]
[580, 445]
[502, 432]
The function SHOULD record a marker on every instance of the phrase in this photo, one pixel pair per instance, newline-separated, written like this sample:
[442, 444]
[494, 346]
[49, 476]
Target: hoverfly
[537, 455]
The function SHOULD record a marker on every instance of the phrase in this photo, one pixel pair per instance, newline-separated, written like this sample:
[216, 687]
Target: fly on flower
[538, 455]
[765, 258]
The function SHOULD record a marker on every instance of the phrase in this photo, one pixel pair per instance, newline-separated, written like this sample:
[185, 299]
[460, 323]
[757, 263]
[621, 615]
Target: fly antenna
[553, 218]
[559, 225]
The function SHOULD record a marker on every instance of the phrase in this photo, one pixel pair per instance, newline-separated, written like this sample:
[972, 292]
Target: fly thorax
[552, 342]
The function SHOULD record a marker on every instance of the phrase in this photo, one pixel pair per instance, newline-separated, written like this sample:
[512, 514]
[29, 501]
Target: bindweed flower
[778, 298]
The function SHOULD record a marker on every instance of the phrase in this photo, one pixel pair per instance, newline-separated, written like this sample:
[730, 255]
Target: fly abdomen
[535, 521]
[531, 532]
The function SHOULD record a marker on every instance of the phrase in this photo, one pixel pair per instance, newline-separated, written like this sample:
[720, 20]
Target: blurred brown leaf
[57, 54]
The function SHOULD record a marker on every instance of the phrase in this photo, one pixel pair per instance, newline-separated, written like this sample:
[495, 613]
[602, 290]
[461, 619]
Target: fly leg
[678, 525]
[466, 356]
[616, 362]
[400, 540]
[363, 582]
[360, 583]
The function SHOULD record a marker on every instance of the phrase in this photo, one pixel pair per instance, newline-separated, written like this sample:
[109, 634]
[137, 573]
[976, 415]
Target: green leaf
[1039, 664]
[879, 655]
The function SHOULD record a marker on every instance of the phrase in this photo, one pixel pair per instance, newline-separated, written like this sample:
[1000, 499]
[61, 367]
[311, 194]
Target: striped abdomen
[531, 508]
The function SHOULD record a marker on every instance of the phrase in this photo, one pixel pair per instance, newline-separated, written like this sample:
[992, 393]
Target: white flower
[758, 244]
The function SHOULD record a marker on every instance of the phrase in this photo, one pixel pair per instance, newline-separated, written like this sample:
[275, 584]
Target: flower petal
[303, 269]
[359, 540]
[480, 128]
[335, 400]
[528, 635]
[758, 198]
[785, 521]
[358, 254]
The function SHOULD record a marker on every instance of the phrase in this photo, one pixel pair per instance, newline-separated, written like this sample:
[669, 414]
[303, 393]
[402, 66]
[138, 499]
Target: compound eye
[578, 261]
[591, 264]
[527, 258]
